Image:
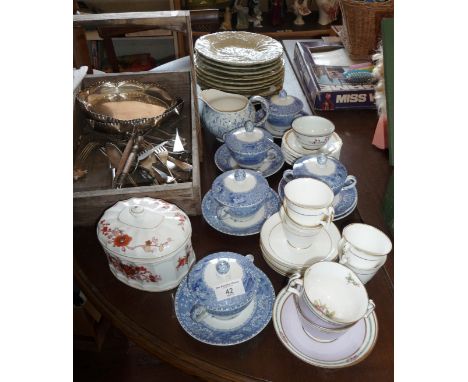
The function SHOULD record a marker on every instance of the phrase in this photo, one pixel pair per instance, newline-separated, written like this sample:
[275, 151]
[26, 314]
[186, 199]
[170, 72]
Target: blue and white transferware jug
[322, 167]
[223, 284]
[224, 112]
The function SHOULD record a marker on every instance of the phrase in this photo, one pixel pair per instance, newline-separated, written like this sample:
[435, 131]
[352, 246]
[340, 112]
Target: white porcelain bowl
[312, 131]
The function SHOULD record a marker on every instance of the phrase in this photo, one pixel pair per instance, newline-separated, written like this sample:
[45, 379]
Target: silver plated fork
[83, 155]
[162, 154]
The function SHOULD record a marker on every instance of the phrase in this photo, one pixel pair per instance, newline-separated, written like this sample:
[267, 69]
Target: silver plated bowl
[129, 90]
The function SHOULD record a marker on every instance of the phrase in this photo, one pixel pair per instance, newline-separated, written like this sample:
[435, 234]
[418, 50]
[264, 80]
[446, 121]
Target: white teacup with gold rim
[364, 247]
[308, 201]
[298, 236]
[333, 294]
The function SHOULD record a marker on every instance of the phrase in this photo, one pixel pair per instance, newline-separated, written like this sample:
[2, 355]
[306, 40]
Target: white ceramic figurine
[328, 11]
[300, 9]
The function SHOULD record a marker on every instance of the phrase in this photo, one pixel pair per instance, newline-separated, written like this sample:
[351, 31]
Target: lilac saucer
[351, 348]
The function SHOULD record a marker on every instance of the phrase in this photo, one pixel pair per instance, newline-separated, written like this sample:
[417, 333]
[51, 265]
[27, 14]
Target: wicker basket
[361, 26]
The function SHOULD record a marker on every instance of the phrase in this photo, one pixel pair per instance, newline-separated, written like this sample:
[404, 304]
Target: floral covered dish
[147, 242]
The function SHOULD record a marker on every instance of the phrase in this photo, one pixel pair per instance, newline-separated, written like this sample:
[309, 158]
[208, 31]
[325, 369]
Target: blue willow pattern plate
[344, 203]
[259, 319]
[225, 162]
[270, 206]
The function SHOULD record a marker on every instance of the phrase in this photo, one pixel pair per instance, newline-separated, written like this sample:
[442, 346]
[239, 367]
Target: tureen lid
[321, 166]
[143, 228]
[285, 104]
[240, 188]
[248, 138]
[223, 281]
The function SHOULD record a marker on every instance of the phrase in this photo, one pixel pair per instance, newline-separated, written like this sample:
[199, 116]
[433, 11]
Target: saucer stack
[224, 300]
[239, 202]
[239, 62]
[302, 233]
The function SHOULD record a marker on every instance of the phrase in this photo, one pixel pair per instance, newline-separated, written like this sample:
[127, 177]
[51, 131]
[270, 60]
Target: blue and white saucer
[344, 203]
[230, 226]
[225, 162]
[214, 331]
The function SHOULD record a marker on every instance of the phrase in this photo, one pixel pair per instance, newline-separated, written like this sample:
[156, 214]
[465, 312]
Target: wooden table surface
[149, 319]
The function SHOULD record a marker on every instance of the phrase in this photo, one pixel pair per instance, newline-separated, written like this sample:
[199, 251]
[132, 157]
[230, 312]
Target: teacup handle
[332, 250]
[222, 212]
[370, 308]
[343, 247]
[288, 175]
[350, 182]
[330, 215]
[198, 313]
[265, 106]
[294, 282]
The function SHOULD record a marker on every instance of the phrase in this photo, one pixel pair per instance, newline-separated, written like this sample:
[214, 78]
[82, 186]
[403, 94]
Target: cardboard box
[320, 68]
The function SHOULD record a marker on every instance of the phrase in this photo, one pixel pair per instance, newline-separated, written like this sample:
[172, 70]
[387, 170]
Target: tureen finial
[222, 267]
[282, 93]
[249, 126]
[239, 174]
[322, 158]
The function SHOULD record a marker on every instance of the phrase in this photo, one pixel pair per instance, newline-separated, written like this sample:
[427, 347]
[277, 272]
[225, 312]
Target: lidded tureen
[284, 108]
[322, 167]
[147, 242]
[248, 138]
[223, 284]
[240, 188]
[250, 145]
[240, 193]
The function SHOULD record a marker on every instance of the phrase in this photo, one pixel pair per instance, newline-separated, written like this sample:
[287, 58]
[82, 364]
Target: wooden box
[93, 196]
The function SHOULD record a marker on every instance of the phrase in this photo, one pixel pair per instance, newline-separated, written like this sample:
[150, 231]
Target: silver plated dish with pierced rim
[108, 91]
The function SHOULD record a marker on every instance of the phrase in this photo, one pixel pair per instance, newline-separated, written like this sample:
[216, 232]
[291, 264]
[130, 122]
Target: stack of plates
[239, 62]
[292, 150]
[286, 259]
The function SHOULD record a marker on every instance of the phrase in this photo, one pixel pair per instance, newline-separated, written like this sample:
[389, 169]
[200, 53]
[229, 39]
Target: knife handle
[125, 154]
[128, 163]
